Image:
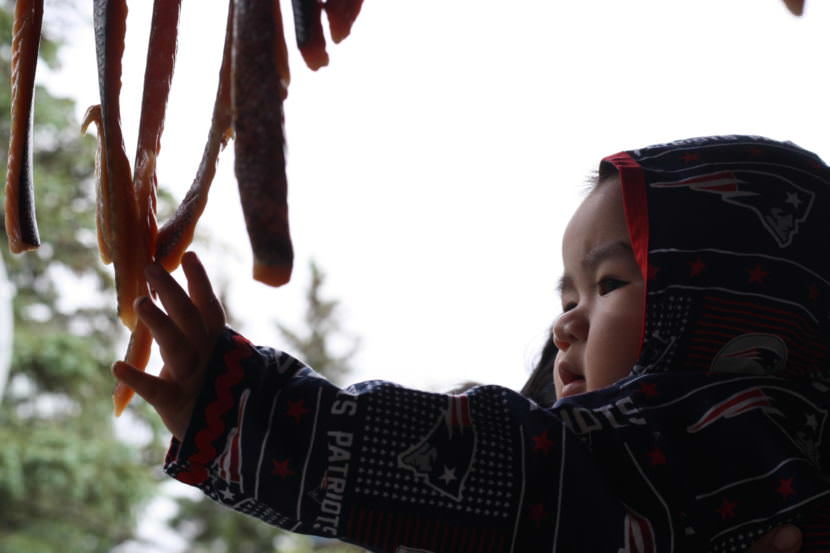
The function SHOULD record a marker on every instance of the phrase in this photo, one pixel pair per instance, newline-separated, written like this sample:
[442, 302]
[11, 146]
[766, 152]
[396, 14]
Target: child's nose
[571, 327]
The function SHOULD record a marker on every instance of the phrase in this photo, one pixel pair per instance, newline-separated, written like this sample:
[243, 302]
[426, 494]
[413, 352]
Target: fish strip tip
[272, 275]
[92, 115]
[121, 397]
[138, 355]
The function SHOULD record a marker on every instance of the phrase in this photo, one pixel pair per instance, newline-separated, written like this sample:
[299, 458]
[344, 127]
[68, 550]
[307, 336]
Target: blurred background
[432, 168]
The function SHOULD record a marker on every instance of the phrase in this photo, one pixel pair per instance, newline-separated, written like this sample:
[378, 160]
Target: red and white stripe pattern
[733, 406]
[230, 461]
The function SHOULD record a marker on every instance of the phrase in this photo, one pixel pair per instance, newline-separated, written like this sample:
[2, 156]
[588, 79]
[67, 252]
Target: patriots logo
[639, 535]
[780, 204]
[804, 423]
[733, 406]
[319, 493]
[444, 457]
[751, 354]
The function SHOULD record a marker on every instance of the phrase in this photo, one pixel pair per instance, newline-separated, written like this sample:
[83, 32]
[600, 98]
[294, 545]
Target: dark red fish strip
[796, 7]
[308, 27]
[281, 50]
[341, 15]
[177, 233]
[259, 142]
[21, 224]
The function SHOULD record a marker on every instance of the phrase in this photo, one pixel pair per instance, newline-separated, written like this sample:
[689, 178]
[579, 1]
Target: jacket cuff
[214, 414]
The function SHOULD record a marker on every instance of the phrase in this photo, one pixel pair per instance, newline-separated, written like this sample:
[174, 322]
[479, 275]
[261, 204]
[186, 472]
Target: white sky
[432, 166]
[435, 162]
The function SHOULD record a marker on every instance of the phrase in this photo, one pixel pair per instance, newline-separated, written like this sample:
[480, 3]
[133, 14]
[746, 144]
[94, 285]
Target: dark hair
[463, 387]
[606, 169]
[539, 386]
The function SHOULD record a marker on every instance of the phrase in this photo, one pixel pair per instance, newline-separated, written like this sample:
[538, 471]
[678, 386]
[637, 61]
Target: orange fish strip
[21, 225]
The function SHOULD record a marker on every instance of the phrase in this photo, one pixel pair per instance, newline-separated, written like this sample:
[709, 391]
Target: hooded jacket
[716, 436]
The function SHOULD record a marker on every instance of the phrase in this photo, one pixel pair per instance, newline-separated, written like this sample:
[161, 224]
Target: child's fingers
[173, 344]
[177, 304]
[784, 539]
[201, 292]
[155, 391]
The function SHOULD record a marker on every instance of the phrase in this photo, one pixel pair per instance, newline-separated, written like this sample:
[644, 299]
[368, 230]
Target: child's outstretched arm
[186, 336]
[394, 469]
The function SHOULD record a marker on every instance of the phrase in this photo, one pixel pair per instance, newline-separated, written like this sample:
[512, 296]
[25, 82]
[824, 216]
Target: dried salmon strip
[341, 15]
[21, 224]
[308, 27]
[102, 223]
[141, 341]
[253, 83]
[138, 355]
[281, 52]
[796, 7]
[127, 243]
[177, 233]
[259, 143]
[158, 75]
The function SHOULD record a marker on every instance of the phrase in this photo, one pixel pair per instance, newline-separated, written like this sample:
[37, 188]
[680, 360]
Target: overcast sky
[433, 165]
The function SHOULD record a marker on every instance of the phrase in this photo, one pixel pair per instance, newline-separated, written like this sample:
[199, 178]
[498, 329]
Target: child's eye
[568, 306]
[609, 284]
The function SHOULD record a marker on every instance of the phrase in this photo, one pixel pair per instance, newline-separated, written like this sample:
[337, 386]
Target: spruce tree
[67, 482]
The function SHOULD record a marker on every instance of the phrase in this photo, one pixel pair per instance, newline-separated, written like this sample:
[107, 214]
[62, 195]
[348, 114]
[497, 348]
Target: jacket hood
[732, 235]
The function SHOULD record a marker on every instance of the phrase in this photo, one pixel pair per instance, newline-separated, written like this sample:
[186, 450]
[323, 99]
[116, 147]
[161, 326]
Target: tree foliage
[315, 344]
[67, 482]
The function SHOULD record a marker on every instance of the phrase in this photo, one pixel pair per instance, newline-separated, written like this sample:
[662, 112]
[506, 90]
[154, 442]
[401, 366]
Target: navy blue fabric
[735, 230]
[717, 435]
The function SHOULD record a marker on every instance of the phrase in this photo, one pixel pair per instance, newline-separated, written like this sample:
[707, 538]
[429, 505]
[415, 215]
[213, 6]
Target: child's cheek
[631, 325]
[557, 381]
[615, 338]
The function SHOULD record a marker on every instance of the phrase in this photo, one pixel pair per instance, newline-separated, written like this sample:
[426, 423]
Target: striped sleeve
[389, 468]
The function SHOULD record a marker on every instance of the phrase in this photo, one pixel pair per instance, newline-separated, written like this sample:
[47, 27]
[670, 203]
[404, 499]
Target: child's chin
[574, 388]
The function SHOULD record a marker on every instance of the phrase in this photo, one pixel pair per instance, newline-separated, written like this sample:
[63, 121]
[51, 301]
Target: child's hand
[186, 336]
[784, 539]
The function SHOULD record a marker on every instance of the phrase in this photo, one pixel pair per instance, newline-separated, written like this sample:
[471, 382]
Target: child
[697, 268]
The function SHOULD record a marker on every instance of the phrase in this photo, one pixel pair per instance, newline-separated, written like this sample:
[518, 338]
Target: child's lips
[573, 388]
[572, 379]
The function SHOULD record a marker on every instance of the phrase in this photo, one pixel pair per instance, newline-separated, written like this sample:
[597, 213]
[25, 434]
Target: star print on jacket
[717, 435]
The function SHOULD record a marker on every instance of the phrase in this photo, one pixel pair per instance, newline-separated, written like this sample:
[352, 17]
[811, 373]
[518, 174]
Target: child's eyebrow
[605, 251]
[565, 284]
[593, 258]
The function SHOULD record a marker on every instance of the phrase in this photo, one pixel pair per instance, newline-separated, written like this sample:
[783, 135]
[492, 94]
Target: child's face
[599, 331]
